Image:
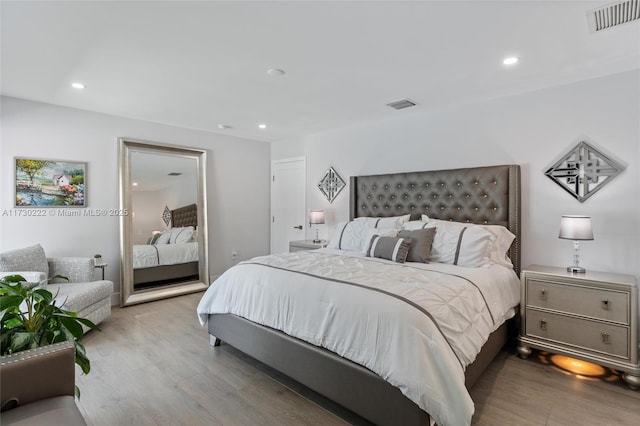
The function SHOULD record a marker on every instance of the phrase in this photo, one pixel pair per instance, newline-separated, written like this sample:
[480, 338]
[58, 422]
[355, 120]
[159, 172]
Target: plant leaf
[10, 302]
[23, 340]
[17, 278]
[71, 324]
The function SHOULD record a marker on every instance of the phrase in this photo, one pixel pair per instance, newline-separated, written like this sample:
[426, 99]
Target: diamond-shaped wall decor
[166, 215]
[583, 170]
[331, 184]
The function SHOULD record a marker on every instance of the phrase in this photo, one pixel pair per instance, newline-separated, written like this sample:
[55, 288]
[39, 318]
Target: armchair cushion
[30, 258]
[77, 296]
[77, 269]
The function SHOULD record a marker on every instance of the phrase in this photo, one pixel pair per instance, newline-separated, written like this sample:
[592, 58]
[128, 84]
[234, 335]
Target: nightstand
[306, 245]
[591, 316]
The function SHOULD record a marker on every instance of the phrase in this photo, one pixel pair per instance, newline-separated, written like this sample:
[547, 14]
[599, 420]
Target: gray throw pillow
[389, 248]
[30, 258]
[420, 250]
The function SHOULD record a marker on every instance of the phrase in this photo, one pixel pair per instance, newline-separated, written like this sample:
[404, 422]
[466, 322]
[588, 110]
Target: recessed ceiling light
[223, 127]
[78, 86]
[135, 183]
[262, 126]
[510, 60]
[276, 72]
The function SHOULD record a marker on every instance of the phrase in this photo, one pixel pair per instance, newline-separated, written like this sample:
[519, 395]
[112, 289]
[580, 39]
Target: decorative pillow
[387, 232]
[498, 249]
[154, 238]
[30, 258]
[163, 238]
[389, 248]
[181, 235]
[459, 244]
[420, 250]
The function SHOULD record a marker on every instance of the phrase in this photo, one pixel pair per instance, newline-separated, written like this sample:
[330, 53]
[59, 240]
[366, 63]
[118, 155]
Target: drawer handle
[605, 305]
[543, 324]
[543, 294]
[605, 338]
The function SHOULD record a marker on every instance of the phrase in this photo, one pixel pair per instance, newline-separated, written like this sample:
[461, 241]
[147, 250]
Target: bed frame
[171, 274]
[483, 195]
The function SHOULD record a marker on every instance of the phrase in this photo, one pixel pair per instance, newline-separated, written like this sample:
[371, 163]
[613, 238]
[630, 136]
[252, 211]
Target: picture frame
[45, 183]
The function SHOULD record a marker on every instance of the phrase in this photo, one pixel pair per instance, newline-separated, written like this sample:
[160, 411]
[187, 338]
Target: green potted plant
[30, 318]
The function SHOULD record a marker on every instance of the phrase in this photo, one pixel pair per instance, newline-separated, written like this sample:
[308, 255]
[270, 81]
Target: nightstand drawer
[582, 333]
[604, 304]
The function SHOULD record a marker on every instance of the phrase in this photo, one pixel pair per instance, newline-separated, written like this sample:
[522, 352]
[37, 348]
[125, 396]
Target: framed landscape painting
[50, 183]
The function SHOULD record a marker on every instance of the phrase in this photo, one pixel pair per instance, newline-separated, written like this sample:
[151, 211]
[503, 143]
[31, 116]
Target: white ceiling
[150, 171]
[200, 64]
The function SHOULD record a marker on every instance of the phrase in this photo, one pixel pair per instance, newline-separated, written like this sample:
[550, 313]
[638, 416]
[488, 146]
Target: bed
[482, 195]
[159, 264]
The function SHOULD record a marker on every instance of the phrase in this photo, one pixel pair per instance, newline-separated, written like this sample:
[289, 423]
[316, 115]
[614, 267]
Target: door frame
[304, 193]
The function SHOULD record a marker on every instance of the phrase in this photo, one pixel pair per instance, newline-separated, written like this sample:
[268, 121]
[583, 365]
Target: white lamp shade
[316, 217]
[575, 228]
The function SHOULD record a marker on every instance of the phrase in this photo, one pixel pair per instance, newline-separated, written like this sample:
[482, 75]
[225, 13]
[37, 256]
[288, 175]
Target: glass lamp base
[576, 269]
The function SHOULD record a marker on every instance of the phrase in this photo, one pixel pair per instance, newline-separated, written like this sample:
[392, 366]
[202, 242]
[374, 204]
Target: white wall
[530, 129]
[238, 182]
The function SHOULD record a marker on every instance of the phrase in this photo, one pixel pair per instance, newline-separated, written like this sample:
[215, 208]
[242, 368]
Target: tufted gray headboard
[185, 216]
[482, 195]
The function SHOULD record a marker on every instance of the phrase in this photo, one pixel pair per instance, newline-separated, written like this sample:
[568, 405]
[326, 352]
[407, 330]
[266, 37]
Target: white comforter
[425, 359]
[150, 255]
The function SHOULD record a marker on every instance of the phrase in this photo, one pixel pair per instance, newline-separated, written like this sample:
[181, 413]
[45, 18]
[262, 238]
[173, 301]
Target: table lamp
[576, 228]
[316, 217]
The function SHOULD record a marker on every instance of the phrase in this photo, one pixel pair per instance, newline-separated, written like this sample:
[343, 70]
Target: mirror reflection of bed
[169, 256]
[163, 238]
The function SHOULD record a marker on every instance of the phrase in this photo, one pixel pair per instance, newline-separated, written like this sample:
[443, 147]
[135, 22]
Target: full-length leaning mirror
[163, 236]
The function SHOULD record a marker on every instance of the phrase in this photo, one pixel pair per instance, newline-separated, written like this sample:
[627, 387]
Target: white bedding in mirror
[150, 255]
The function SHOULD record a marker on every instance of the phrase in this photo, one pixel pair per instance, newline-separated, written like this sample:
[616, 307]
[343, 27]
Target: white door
[288, 216]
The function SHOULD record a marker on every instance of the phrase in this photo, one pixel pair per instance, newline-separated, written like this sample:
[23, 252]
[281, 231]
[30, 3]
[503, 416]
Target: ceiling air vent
[613, 15]
[402, 104]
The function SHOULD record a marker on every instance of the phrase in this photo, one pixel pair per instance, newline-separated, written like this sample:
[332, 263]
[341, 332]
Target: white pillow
[498, 249]
[385, 222]
[414, 225]
[458, 244]
[181, 235]
[164, 237]
[353, 235]
[350, 235]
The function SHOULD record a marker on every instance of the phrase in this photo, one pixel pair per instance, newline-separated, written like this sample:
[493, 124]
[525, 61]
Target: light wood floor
[152, 365]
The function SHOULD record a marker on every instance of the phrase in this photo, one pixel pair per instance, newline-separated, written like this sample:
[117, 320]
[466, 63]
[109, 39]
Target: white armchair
[82, 294]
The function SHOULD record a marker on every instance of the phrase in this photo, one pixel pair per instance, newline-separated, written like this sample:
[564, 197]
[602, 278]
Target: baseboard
[115, 299]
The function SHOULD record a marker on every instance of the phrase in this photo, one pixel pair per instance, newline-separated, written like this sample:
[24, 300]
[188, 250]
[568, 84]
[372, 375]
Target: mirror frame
[128, 296]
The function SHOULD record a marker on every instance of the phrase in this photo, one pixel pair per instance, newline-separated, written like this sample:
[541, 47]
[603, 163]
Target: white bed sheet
[391, 337]
[150, 255]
